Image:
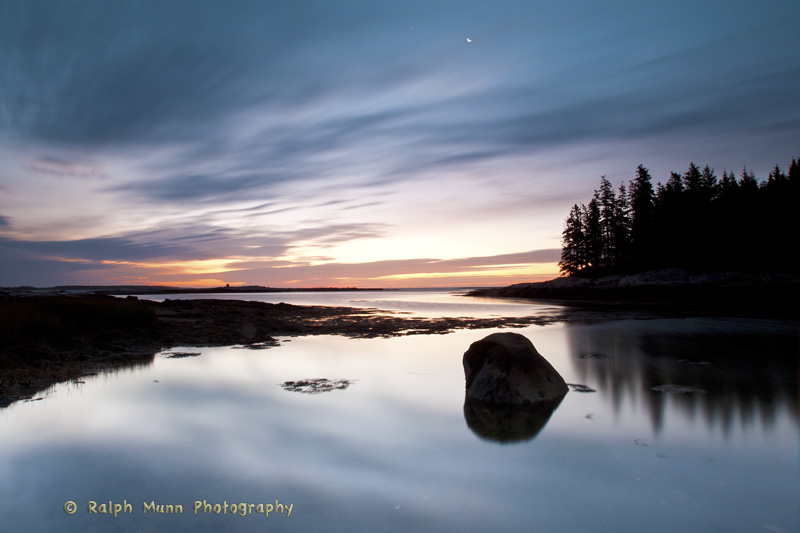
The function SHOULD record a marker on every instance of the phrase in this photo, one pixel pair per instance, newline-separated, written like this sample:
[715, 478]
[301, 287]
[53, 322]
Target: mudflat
[47, 339]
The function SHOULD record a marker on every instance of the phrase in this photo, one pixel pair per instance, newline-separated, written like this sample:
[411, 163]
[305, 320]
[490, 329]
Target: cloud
[198, 187]
[265, 94]
[93, 250]
[27, 267]
[181, 245]
[285, 123]
[422, 266]
[518, 267]
[168, 255]
[67, 167]
[152, 72]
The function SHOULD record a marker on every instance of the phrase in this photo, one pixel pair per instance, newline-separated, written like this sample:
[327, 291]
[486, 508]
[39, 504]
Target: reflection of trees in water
[747, 368]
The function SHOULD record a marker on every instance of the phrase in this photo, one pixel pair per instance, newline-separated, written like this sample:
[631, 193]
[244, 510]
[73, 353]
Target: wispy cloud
[139, 132]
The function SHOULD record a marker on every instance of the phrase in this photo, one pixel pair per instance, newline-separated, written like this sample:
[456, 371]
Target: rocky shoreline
[50, 338]
[766, 295]
[47, 339]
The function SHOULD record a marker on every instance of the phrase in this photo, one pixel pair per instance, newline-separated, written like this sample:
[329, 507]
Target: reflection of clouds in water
[220, 427]
[748, 369]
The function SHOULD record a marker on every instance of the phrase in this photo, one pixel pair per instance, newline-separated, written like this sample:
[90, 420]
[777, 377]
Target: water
[419, 302]
[394, 451]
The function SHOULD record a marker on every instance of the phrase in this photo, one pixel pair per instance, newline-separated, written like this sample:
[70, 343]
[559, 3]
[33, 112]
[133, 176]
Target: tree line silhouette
[694, 221]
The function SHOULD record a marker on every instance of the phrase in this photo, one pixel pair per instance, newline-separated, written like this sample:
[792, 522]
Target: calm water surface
[395, 452]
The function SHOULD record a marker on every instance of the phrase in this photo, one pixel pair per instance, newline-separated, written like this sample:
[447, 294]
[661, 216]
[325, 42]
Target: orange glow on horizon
[503, 271]
[195, 266]
[238, 271]
[196, 283]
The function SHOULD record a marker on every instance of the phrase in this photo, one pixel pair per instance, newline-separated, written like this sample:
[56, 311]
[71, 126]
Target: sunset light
[146, 144]
[399, 266]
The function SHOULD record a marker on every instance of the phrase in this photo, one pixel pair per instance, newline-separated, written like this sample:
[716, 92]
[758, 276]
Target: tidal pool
[693, 427]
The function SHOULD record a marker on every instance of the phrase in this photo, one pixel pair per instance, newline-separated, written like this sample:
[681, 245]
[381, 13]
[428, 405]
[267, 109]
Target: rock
[580, 387]
[180, 355]
[504, 369]
[316, 386]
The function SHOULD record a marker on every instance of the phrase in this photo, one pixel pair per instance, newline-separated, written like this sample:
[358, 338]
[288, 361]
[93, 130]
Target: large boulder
[505, 370]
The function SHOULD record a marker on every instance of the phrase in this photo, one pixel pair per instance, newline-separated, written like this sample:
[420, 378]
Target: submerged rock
[505, 370]
[316, 386]
[180, 355]
[580, 387]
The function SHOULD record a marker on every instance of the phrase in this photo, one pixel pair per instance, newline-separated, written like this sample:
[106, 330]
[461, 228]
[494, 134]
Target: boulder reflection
[507, 424]
[746, 370]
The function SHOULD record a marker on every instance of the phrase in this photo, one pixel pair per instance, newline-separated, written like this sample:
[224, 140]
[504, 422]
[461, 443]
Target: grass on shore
[32, 328]
[47, 339]
[48, 320]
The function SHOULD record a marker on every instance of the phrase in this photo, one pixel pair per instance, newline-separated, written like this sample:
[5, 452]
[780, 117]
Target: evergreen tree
[608, 214]
[694, 221]
[708, 183]
[777, 178]
[728, 223]
[642, 207]
[728, 185]
[693, 180]
[593, 243]
[675, 185]
[748, 183]
[670, 223]
[622, 231]
[794, 171]
[793, 178]
[573, 239]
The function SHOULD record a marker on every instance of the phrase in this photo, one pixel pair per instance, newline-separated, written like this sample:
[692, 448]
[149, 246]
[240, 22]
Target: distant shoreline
[768, 295]
[50, 338]
[140, 290]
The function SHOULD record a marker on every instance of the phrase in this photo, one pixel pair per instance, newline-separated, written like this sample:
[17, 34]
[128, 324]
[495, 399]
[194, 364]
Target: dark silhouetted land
[722, 294]
[46, 339]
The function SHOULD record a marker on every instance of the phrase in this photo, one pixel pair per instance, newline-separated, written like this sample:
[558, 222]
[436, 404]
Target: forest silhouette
[695, 221]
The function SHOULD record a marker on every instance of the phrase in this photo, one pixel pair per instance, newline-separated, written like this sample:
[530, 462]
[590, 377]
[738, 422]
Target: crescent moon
[469, 40]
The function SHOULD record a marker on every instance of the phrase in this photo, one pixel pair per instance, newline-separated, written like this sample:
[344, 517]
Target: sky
[366, 143]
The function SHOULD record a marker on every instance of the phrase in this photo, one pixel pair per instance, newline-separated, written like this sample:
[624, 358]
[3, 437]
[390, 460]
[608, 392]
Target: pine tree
[642, 212]
[608, 212]
[728, 185]
[748, 183]
[694, 221]
[573, 243]
[708, 182]
[622, 230]
[794, 171]
[593, 233]
[675, 185]
[693, 180]
[776, 178]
